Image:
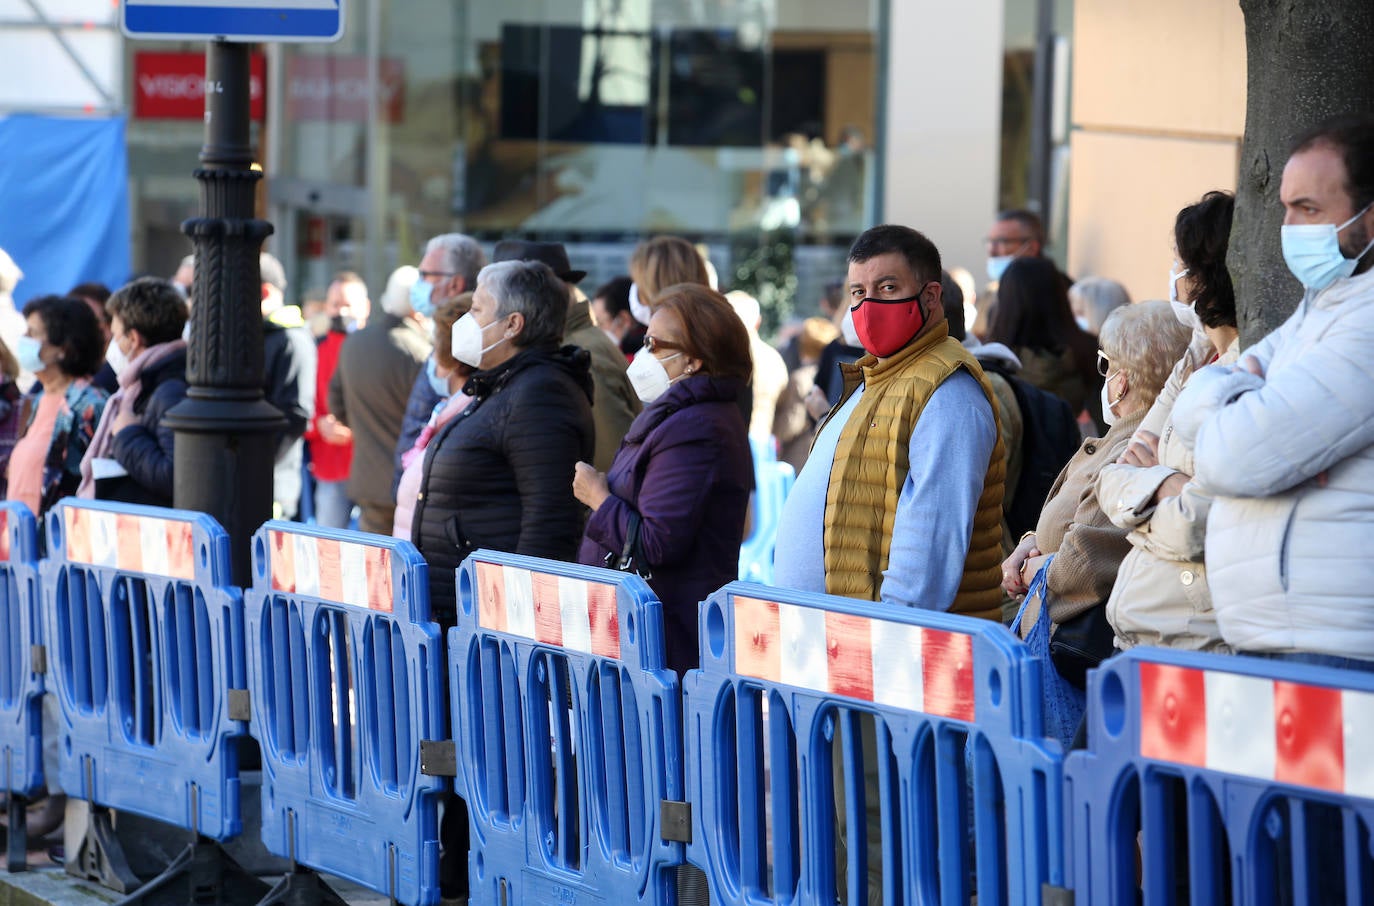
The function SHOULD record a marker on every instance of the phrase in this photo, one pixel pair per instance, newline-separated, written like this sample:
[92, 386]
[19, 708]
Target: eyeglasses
[994, 243]
[425, 275]
[1104, 364]
[653, 344]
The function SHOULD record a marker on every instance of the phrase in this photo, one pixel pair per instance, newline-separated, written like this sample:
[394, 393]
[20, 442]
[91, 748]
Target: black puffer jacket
[500, 474]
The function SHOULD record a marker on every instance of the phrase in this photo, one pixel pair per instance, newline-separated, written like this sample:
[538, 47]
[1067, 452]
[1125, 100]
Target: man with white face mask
[1286, 440]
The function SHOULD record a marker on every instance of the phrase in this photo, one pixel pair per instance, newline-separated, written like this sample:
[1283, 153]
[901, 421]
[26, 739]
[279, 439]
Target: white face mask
[997, 266]
[638, 309]
[1083, 323]
[1313, 253]
[1184, 311]
[116, 357]
[1108, 415]
[466, 340]
[847, 329]
[648, 376]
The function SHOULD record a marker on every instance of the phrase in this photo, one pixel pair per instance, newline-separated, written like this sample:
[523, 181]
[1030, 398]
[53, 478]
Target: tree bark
[1307, 60]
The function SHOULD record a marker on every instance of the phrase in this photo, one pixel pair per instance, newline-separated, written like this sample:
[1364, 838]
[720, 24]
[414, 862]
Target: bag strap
[1037, 589]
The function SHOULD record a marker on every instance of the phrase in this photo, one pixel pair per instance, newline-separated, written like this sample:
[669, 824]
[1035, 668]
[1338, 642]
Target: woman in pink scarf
[130, 457]
[448, 375]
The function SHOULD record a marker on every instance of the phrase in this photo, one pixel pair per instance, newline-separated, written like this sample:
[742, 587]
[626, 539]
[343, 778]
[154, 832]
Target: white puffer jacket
[1290, 460]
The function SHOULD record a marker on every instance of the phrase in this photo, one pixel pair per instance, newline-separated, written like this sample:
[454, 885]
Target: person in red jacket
[331, 443]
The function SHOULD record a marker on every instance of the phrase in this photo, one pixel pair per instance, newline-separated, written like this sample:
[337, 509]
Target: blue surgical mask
[997, 266]
[421, 297]
[27, 352]
[438, 384]
[1312, 252]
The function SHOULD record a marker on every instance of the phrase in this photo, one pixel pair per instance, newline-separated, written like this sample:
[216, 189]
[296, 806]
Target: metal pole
[226, 433]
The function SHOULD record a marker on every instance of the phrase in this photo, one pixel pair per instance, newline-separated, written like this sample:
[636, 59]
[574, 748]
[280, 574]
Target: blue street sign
[233, 20]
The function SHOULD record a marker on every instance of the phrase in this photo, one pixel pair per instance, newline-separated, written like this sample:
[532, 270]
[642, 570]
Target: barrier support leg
[100, 858]
[301, 888]
[17, 834]
[211, 876]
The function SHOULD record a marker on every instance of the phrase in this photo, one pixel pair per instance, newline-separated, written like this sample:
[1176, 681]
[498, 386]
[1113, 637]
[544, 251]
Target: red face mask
[886, 325]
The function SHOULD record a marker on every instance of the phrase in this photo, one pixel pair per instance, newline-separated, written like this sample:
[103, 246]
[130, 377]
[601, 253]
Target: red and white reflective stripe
[576, 614]
[1251, 726]
[894, 664]
[4, 536]
[342, 572]
[138, 544]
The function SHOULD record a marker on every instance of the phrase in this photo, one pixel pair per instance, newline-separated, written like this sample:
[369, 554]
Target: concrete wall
[1158, 113]
[944, 105]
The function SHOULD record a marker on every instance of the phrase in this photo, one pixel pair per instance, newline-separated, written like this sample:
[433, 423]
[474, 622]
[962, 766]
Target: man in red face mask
[901, 497]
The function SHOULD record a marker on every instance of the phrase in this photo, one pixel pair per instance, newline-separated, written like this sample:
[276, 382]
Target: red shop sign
[335, 88]
[171, 86]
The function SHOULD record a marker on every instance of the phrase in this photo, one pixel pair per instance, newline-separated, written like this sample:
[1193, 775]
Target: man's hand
[1012, 583]
[589, 486]
[1142, 451]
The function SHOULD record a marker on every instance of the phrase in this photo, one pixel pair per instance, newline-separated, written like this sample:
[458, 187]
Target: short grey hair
[535, 291]
[1146, 341]
[462, 256]
[1098, 297]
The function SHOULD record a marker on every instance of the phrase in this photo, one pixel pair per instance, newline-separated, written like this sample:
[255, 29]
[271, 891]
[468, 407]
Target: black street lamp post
[226, 433]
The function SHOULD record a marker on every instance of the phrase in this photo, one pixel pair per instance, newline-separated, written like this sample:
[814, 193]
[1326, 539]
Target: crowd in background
[1043, 452]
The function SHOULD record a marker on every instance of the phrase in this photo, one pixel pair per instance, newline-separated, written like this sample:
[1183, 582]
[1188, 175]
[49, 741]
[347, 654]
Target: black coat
[499, 475]
[145, 449]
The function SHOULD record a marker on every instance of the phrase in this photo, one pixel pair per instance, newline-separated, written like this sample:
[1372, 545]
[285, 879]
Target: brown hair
[711, 331]
[816, 334]
[446, 314]
[665, 261]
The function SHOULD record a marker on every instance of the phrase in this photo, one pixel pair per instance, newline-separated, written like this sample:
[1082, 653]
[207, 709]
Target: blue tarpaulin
[64, 202]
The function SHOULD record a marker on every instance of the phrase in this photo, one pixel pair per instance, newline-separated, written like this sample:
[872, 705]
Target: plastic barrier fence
[814, 718]
[1230, 779]
[145, 640]
[568, 733]
[772, 482]
[347, 680]
[21, 680]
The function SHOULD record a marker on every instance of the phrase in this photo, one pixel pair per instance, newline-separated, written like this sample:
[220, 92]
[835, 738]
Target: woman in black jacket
[130, 457]
[499, 475]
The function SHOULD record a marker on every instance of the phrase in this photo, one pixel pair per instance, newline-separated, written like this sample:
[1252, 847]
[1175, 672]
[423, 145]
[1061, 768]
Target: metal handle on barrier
[438, 758]
[38, 658]
[1055, 896]
[240, 705]
[675, 821]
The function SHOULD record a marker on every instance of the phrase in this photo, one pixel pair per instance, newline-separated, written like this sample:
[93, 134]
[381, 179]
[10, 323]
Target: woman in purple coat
[684, 469]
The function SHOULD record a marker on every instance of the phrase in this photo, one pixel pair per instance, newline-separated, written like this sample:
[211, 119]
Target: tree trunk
[1307, 60]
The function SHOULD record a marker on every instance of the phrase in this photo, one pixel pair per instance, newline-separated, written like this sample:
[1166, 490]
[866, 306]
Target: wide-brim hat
[551, 253]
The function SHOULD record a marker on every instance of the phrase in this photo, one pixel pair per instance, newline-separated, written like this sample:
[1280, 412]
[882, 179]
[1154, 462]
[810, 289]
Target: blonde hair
[665, 261]
[1145, 341]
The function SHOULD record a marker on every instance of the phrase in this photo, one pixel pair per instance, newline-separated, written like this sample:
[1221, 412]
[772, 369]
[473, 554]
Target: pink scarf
[130, 384]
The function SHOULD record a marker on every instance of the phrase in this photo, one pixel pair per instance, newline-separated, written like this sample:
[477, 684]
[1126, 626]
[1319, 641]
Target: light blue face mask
[438, 384]
[997, 266]
[1312, 252]
[421, 297]
[26, 351]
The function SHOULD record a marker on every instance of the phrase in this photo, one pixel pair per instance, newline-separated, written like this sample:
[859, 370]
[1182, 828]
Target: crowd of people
[951, 446]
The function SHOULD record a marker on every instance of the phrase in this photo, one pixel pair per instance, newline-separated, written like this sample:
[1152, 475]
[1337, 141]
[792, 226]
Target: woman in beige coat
[1139, 344]
[1161, 595]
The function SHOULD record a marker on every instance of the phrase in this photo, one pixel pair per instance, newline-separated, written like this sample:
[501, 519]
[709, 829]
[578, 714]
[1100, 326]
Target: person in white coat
[1160, 596]
[1285, 441]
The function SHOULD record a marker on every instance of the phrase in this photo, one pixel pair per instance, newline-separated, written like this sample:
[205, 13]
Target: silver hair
[462, 256]
[1145, 340]
[1098, 297]
[532, 289]
[396, 296]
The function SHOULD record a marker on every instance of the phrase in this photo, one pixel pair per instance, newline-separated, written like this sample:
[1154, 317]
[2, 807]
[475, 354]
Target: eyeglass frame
[1104, 363]
[653, 343]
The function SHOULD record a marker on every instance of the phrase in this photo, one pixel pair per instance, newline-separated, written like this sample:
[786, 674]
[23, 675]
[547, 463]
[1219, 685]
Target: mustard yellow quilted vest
[871, 465]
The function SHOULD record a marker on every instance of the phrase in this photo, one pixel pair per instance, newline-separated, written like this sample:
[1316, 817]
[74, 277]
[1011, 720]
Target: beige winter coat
[1161, 595]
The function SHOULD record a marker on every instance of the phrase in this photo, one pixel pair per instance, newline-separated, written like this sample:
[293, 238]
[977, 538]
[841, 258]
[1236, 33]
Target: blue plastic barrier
[796, 691]
[21, 682]
[1231, 778]
[347, 680]
[145, 642]
[772, 482]
[568, 733]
